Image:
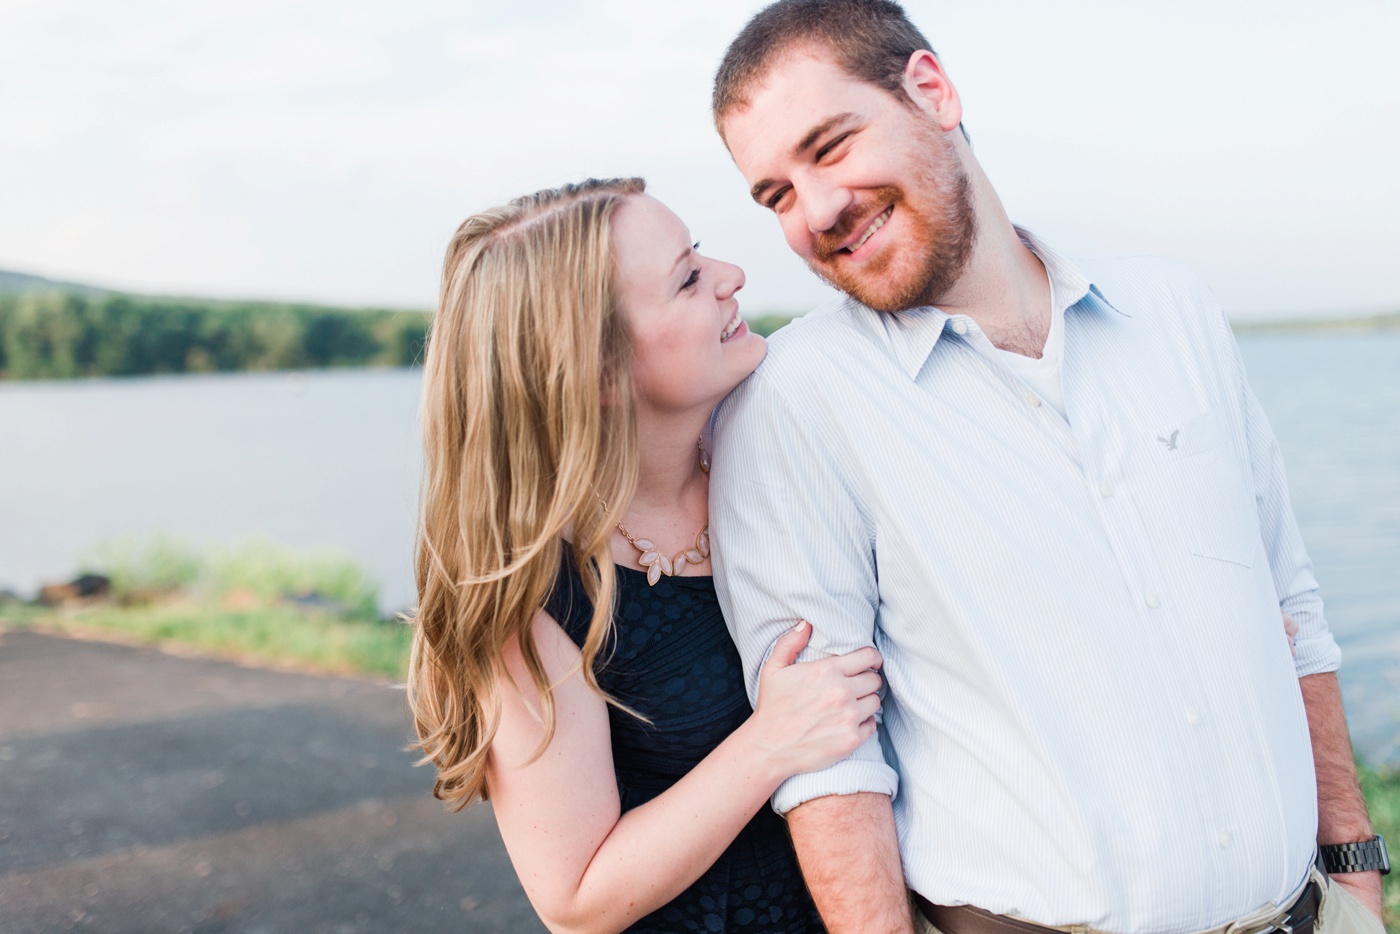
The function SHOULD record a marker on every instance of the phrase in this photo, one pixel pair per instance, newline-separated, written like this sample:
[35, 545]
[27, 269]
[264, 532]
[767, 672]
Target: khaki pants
[1341, 913]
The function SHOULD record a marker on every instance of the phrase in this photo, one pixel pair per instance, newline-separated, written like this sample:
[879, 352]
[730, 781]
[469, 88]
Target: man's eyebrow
[762, 185]
[818, 131]
[804, 144]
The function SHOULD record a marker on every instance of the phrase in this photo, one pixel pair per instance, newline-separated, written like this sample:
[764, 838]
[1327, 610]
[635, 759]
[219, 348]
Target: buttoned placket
[1082, 439]
[1045, 417]
[1111, 492]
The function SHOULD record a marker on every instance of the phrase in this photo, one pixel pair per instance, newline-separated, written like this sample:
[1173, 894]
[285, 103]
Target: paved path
[143, 793]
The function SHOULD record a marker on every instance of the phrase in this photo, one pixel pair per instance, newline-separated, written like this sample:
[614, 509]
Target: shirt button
[1105, 489]
[960, 327]
[1032, 400]
[1152, 601]
[1224, 838]
[1193, 718]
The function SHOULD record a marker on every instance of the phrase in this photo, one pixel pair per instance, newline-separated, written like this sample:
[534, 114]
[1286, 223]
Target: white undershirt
[1043, 376]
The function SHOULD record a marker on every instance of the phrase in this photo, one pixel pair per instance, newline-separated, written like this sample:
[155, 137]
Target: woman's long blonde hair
[528, 428]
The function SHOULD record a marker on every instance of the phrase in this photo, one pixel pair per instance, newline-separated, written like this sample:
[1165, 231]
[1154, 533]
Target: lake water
[330, 459]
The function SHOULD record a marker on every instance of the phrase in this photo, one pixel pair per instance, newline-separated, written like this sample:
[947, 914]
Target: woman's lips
[735, 326]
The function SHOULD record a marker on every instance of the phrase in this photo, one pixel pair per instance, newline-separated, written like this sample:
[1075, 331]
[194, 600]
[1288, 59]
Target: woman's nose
[730, 280]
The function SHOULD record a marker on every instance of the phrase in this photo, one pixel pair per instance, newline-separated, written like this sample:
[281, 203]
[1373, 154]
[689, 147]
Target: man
[1045, 492]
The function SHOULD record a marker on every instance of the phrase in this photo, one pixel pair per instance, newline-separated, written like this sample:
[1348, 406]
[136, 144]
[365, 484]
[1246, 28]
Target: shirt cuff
[864, 770]
[1317, 655]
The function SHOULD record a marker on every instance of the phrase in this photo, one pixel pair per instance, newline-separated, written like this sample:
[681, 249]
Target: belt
[1297, 918]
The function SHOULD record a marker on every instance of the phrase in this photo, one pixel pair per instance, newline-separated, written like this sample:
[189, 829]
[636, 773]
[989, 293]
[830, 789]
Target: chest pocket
[1206, 486]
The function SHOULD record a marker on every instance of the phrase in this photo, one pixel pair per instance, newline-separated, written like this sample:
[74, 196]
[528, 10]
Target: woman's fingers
[789, 645]
[860, 660]
[1290, 629]
[865, 683]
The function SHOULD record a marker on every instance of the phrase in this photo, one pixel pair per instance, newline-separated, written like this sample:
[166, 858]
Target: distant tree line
[61, 335]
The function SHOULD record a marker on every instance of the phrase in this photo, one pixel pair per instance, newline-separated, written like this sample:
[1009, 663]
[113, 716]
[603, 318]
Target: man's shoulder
[815, 330]
[801, 357]
[1164, 303]
[1144, 281]
[824, 333]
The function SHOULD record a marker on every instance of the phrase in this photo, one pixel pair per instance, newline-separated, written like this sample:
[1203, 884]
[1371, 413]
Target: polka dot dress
[672, 661]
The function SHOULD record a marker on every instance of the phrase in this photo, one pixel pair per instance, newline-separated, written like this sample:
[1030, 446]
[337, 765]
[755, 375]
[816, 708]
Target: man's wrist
[1358, 829]
[1362, 856]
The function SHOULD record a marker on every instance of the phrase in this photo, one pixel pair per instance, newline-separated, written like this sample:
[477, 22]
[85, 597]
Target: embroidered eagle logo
[1170, 442]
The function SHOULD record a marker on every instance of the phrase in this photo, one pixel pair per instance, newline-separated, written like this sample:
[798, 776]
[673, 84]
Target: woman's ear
[610, 393]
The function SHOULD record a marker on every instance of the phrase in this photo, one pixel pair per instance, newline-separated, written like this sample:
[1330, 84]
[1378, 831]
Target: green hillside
[1384, 322]
[14, 283]
[60, 330]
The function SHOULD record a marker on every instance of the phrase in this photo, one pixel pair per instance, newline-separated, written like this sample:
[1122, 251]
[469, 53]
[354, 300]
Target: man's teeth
[730, 328]
[870, 231]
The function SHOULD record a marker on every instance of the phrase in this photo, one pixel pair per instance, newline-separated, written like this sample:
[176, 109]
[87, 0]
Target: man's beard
[941, 233]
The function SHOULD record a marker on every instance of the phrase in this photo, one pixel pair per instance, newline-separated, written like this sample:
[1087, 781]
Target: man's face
[868, 188]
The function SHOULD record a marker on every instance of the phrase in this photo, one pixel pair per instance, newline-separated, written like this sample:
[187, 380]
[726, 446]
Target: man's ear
[931, 91]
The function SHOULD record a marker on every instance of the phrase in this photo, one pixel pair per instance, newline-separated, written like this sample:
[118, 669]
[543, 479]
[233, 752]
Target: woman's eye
[690, 280]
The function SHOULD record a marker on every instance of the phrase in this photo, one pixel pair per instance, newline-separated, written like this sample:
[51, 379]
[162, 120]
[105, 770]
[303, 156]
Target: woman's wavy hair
[528, 430]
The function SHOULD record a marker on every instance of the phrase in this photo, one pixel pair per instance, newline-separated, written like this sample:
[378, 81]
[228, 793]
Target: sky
[325, 151]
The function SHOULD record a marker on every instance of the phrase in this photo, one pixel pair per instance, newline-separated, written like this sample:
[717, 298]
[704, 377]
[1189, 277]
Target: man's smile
[869, 231]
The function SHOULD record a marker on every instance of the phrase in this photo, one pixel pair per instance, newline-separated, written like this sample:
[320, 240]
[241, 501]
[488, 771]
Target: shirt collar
[913, 334]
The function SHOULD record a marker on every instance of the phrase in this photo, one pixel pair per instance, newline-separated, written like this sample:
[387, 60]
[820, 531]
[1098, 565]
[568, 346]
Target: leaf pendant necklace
[658, 563]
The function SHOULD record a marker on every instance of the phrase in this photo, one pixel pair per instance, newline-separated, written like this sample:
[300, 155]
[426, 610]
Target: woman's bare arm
[588, 867]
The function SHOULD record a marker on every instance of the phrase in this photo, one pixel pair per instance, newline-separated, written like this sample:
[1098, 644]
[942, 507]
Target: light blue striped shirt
[1092, 714]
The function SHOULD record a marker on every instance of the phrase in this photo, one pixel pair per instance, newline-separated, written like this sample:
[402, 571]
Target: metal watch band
[1357, 857]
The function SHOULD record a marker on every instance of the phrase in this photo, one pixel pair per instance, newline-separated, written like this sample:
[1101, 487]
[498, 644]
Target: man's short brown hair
[871, 39]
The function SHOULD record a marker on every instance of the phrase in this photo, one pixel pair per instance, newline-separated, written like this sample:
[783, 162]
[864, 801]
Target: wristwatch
[1356, 857]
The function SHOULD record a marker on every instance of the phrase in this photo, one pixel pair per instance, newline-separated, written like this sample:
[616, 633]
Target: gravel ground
[146, 793]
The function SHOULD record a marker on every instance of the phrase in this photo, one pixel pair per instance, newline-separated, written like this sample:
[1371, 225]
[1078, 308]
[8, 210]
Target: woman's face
[690, 347]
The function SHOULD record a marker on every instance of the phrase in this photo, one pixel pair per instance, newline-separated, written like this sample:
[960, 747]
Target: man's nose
[823, 205]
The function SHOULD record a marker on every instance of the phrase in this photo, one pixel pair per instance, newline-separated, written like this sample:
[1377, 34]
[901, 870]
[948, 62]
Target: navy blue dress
[673, 661]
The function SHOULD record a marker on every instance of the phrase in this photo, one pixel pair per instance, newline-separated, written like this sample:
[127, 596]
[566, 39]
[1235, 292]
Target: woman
[580, 345]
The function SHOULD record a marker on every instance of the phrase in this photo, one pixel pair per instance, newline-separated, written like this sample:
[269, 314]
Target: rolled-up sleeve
[791, 541]
[1315, 650]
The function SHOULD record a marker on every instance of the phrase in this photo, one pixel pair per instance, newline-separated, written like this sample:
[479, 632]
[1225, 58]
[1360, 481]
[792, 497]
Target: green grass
[282, 636]
[161, 563]
[255, 572]
[1382, 788]
[236, 603]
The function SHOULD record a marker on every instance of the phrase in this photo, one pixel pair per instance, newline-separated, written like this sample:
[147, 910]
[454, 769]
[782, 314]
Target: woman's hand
[1290, 629]
[812, 714]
